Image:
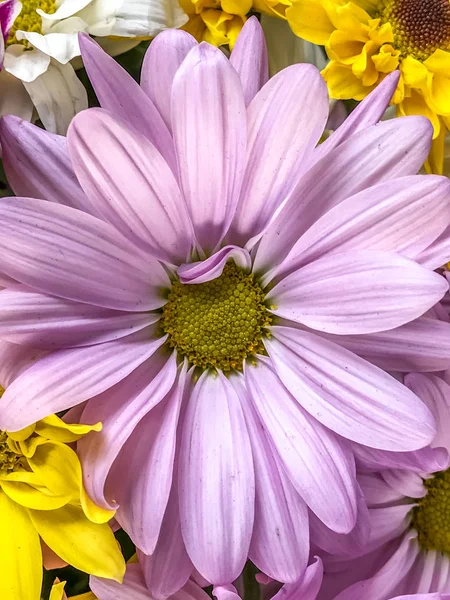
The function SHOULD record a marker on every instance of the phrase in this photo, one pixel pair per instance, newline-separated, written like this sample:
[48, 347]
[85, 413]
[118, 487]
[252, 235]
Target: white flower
[41, 40]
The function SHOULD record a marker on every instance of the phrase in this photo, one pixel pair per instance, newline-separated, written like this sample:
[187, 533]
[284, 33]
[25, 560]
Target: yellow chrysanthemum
[366, 39]
[42, 498]
[219, 22]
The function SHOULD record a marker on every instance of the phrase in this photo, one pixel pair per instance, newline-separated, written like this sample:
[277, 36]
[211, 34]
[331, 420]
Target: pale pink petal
[376, 491]
[66, 378]
[307, 587]
[119, 93]
[435, 392]
[357, 292]
[388, 523]
[406, 482]
[280, 540]
[428, 460]
[403, 216]
[120, 409]
[351, 544]
[68, 253]
[14, 360]
[162, 60]
[347, 394]
[367, 113]
[389, 577]
[216, 483]
[209, 128]
[422, 345]
[190, 591]
[212, 267]
[141, 477]
[310, 453]
[130, 185]
[132, 588]
[285, 121]
[438, 253]
[48, 322]
[379, 153]
[169, 567]
[37, 164]
[249, 58]
[225, 592]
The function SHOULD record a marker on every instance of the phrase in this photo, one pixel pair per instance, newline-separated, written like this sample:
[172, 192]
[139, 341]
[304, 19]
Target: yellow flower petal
[30, 497]
[21, 558]
[310, 21]
[387, 59]
[416, 104]
[438, 62]
[414, 72]
[342, 83]
[86, 546]
[438, 93]
[22, 434]
[344, 47]
[57, 591]
[86, 596]
[54, 428]
[237, 7]
[59, 467]
[435, 160]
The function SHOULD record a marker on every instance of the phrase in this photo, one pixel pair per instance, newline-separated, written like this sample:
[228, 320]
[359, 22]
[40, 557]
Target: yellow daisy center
[420, 26]
[29, 20]
[217, 324]
[431, 518]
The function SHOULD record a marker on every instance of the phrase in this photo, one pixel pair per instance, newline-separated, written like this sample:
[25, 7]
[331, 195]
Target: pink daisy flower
[193, 269]
[408, 547]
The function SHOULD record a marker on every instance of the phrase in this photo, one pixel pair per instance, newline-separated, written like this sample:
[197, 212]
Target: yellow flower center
[217, 324]
[9, 460]
[420, 26]
[431, 518]
[29, 20]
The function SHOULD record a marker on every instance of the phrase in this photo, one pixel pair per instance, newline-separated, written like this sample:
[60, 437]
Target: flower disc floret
[431, 518]
[29, 20]
[419, 27]
[217, 324]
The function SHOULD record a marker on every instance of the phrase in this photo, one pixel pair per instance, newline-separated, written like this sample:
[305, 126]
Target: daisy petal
[422, 345]
[437, 253]
[306, 587]
[161, 578]
[66, 378]
[119, 93]
[216, 462]
[47, 322]
[403, 216]
[31, 157]
[132, 588]
[249, 58]
[425, 460]
[311, 455]
[285, 121]
[67, 253]
[435, 392]
[209, 127]
[357, 293]
[212, 267]
[379, 153]
[131, 185]
[169, 48]
[367, 113]
[120, 409]
[280, 540]
[141, 477]
[347, 394]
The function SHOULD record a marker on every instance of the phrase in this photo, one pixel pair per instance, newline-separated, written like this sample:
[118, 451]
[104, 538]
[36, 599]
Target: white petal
[58, 96]
[26, 66]
[62, 46]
